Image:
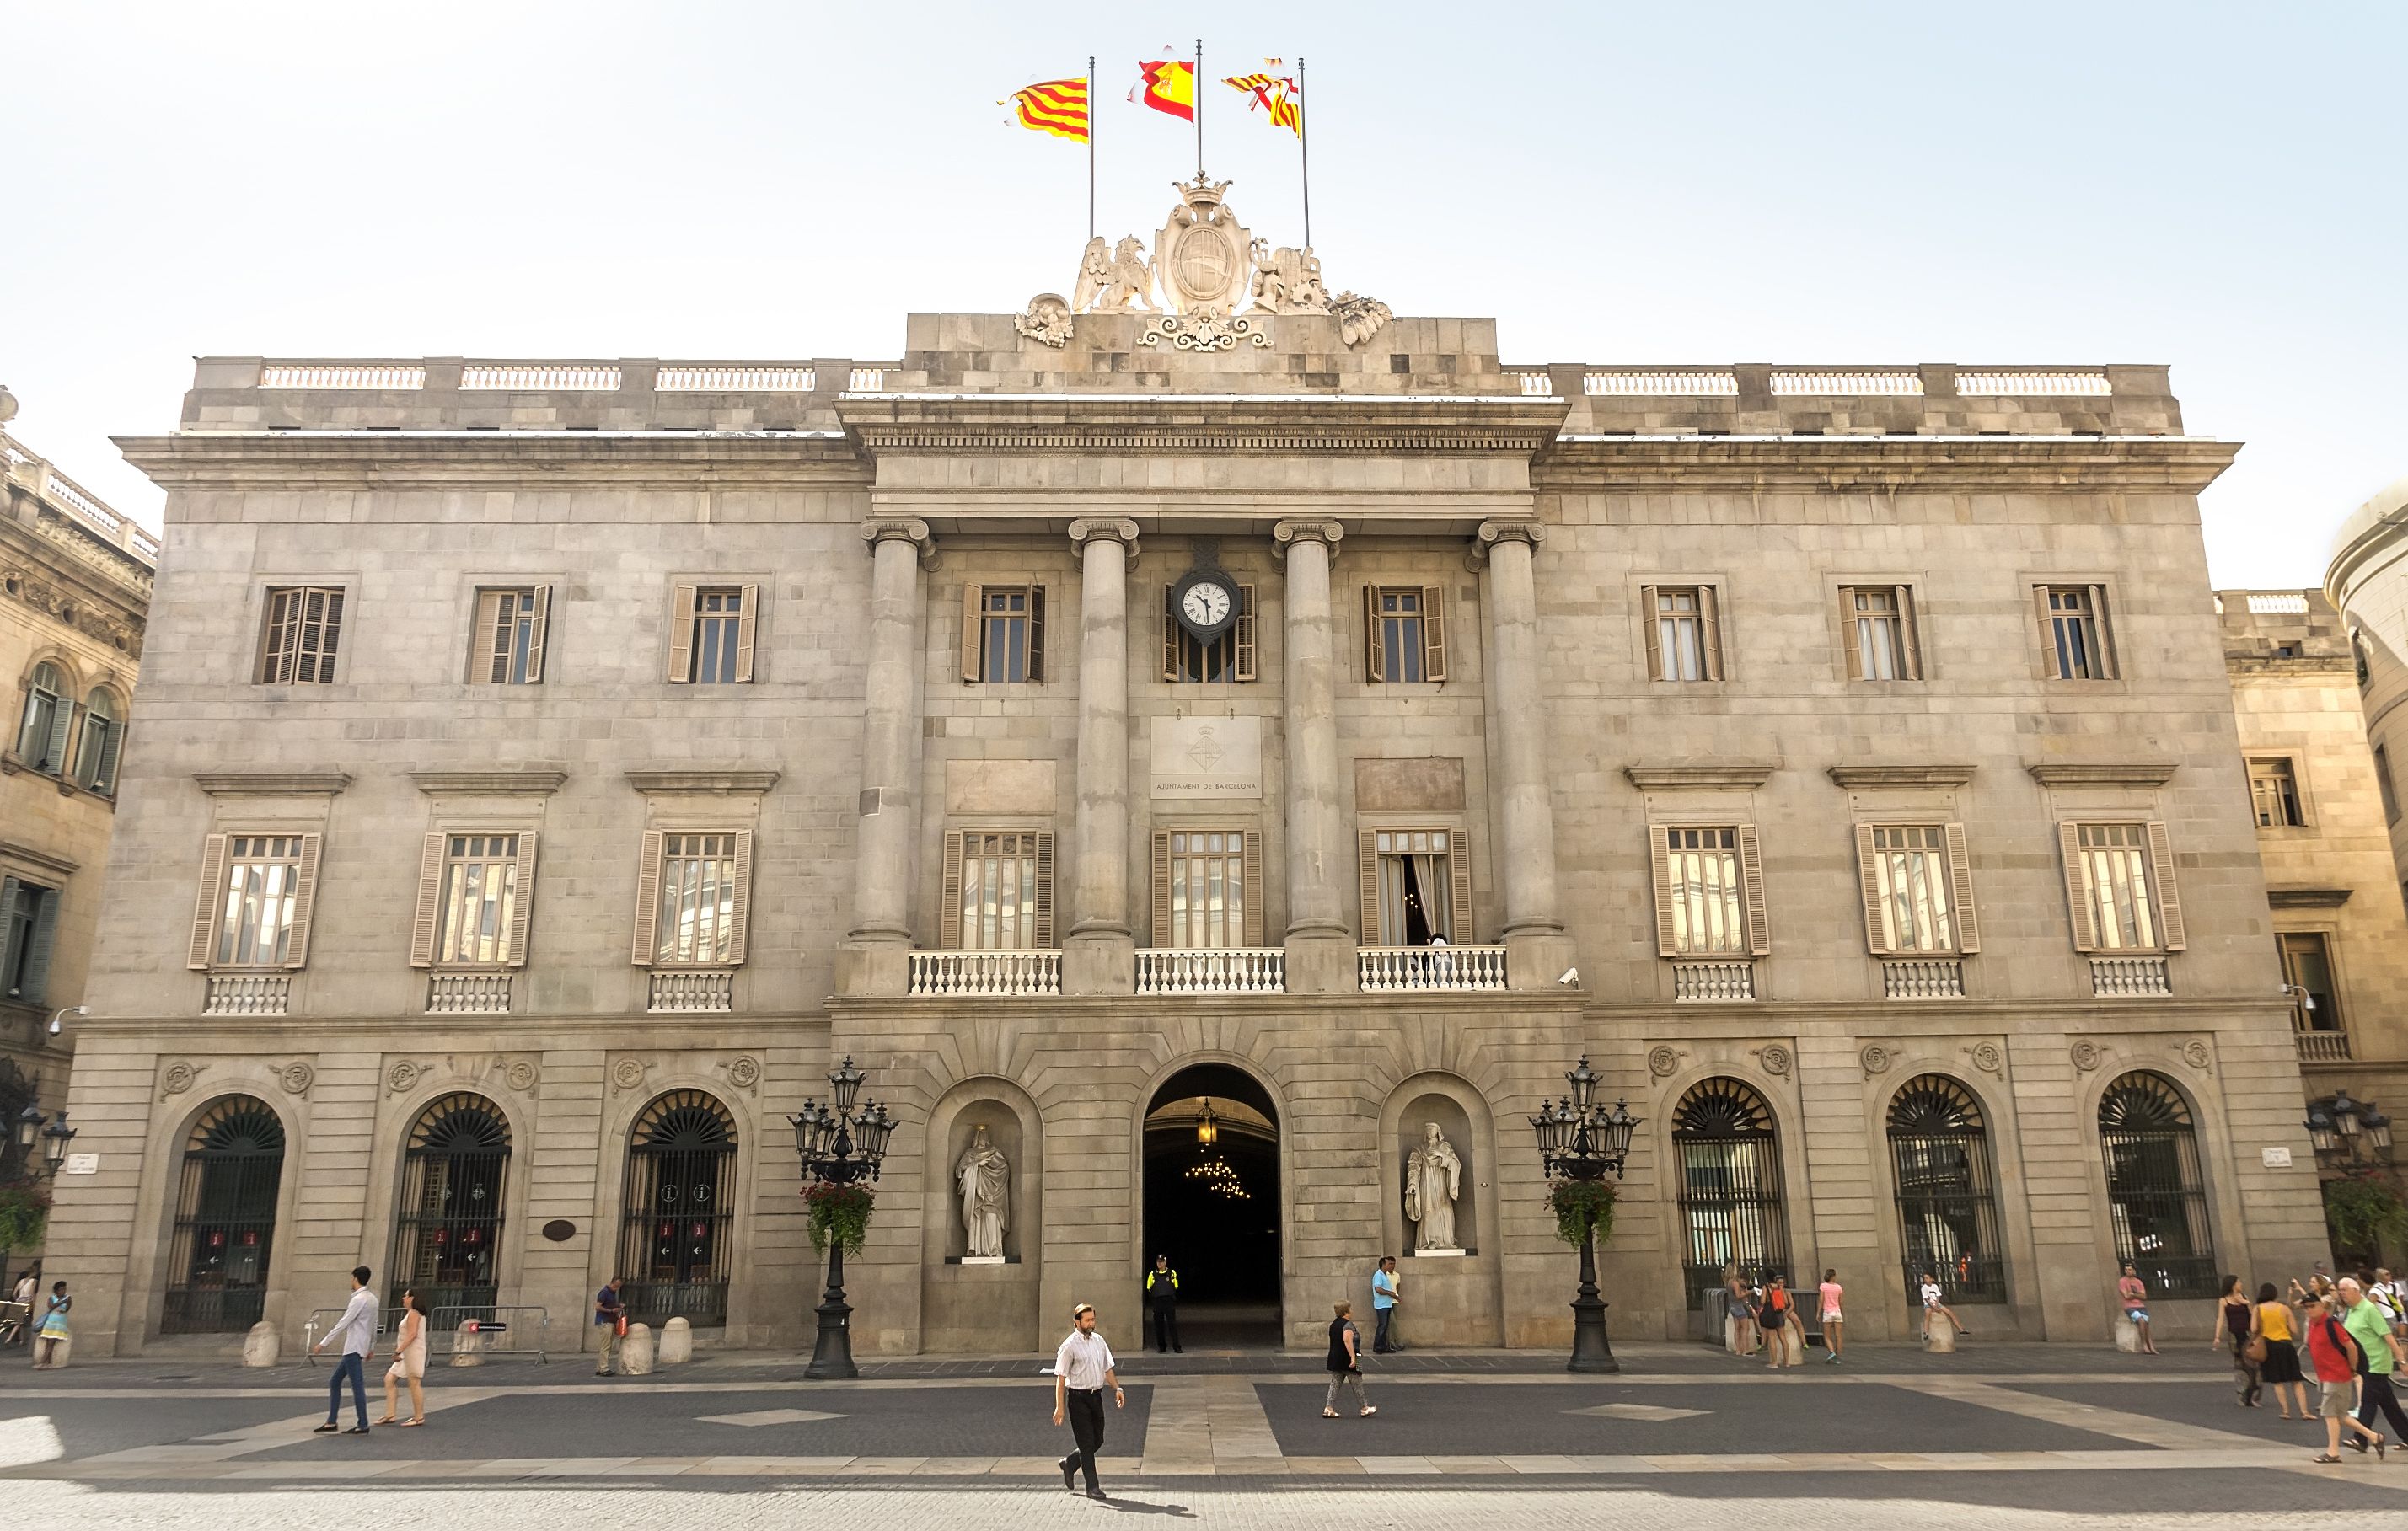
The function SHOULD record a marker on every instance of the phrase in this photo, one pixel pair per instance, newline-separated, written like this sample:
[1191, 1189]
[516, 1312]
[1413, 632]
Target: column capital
[1118, 529]
[901, 529]
[1324, 532]
[1531, 533]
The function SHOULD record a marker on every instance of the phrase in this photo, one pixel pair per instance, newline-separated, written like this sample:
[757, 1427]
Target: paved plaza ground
[2021, 1434]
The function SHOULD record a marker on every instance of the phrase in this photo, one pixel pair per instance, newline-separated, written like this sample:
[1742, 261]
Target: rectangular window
[696, 915]
[2383, 785]
[710, 634]
[2307, 969]
[1709, 907]
[1229, 657]
[1910, 888]
[29, 916]
[2074, 625]
[1881, 639]
[998, 891]
[1206, 890]
[510, 625]
[263, 901]
[1404, 632]
[304, 625]
[1416, 876]
[1003, 633]
[1683, 632]
[2116, 888]
[2274, 795]
[476, 903]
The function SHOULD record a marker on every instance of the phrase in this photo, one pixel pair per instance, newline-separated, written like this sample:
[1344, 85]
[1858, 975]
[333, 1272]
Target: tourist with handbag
[2235, 1315]
[2274, 1338]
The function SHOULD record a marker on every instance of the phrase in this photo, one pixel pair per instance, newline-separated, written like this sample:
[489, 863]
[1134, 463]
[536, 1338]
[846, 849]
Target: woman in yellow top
[2274, 1326]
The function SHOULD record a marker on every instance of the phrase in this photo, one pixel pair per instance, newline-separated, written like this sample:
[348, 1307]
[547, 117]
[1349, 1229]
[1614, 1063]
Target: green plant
[24, 1211]
[840, 1212]
[2365, 1213]
[1581, 1205]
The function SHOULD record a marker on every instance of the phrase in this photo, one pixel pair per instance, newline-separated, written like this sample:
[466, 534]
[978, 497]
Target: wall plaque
[1208, 757]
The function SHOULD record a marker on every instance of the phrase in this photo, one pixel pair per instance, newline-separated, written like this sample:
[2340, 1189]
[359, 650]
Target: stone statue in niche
[984, 1176]
[1433, 1174]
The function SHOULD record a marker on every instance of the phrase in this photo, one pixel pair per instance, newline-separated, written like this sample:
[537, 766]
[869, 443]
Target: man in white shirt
[357, 1329]
[1082, 1369]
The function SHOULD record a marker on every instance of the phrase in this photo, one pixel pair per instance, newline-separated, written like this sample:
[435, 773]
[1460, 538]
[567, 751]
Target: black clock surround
[1206, 632]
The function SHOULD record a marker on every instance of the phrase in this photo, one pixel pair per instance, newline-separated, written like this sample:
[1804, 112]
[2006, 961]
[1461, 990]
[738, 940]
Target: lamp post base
[1590, 1349]
[832, 1355]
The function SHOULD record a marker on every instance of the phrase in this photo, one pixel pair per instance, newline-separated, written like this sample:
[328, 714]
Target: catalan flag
[1058, 107]
[1278, 95]
[1168, 85]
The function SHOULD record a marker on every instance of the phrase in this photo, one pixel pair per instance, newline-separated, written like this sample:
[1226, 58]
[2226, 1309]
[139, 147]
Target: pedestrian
[2234, 1314]
[409, 1362]
[1830, 1293]
[2382, 1356]
[1744, 1313]
[1934, 1302]
[2278, 1362]
[357, 1329]
[610, 1317]
[1162, 1299]
[1383, 1307]
[2134, 1295]
[2379, 1291]
[1082, 1369]
[2336, 1355]
[1776, 1317]
[53, 1330]
[19, 1323]
[1346, 1364]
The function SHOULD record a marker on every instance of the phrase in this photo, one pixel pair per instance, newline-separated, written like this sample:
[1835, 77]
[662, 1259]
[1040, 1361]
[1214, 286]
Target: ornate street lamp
[1580, 1142]
[1208, 1132]
[2322, 1135]
[2344, 1113]
[51, 1132]
[839, 1147]
[2347, 1133]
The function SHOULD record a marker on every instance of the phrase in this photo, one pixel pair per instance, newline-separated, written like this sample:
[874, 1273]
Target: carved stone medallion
[2087, 1055]
[1986, 1057]
[403, 1075]
[1875, 1058]
[744, 1073]
[2195, 1052]
[628, 1074]
[296, 1077]
[1203, 258]
[1663, 1061]
[178, 1079]
[1775, 1059]
[521, 1075]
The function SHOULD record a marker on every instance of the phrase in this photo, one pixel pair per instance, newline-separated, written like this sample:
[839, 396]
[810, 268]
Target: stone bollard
[2127, 1337]
[261, 1347]
[467, 1345]
[677, 1343]
[636, 1350]
[1941, 1340]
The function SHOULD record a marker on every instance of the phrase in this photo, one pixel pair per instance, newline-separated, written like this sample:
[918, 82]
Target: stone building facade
[1091, 740]
[74, 592]
[2367, 584]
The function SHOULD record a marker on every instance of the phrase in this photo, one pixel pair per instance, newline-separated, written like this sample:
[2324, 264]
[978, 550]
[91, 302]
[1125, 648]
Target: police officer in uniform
[1162, 1298]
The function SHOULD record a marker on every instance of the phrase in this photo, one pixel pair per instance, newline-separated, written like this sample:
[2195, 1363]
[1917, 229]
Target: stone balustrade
[948, 973]
[2322, 1046]
[248, 994]
[468, 994]
[684, 990]
[1709, 981]
[2116, 978]
[1923, 977]
[1384, 968]
[1220, 970]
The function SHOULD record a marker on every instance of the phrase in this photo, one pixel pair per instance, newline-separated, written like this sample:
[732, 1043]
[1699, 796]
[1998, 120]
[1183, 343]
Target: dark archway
[678, 1210]
[225, 1220]
[1214, 1206]
[448, 1239]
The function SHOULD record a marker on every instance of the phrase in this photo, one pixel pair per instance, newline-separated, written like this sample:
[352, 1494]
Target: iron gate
[1732, 1202]
[1947, 1204]
[680, 1210]
[447, 1243]
[225, 1220]
[2155, 1195]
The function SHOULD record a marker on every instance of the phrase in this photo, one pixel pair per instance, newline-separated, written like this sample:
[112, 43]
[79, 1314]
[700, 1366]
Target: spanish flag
[1278, 94]
[1058, 107]
[1169, 85]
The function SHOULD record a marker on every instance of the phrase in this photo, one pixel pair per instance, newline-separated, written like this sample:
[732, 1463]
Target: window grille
[1948, 1197]
[447, 1240]
[677, 1227]
[224, 1238]
[1733, 1207]
[2156, 1201]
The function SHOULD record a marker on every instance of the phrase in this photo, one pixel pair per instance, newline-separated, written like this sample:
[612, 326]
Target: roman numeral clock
[1207, 603]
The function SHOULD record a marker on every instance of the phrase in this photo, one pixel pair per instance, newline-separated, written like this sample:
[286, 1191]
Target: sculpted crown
[1200, 193]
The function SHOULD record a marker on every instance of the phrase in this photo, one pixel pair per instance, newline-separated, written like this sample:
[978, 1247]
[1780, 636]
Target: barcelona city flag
[1058, 107]
[1168, 85]
[1278, 94]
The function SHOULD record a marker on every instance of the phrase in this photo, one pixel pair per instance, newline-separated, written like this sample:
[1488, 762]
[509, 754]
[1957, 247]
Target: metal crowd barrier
[322, 1320]
[499, 1333]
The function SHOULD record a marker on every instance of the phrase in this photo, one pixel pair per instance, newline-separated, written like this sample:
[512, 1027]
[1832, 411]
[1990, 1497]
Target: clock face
[1205, 604]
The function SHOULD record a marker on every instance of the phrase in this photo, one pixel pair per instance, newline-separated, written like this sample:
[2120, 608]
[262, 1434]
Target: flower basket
[1581, 1205]
[840, 1212]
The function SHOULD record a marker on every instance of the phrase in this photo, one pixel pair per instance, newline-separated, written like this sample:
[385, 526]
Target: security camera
[1571, 979]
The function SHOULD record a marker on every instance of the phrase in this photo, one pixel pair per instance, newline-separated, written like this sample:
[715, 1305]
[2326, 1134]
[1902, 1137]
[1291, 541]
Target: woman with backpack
[2335, 1354]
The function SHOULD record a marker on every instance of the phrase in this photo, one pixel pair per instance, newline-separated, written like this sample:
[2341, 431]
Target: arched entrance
[225, 1220]
[447, 1243]
[1212, 1203]
[678, 1211]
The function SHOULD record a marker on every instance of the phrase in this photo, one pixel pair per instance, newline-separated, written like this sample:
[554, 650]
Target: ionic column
[1536, 949]
[877, 954]
[1099, 955]
[1320, 944]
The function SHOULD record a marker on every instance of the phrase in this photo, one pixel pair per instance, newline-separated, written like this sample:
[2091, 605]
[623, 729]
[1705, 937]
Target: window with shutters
[1000, 886]
[722, 632]
[2308, 978]
[103, 739]
[303, 629]
[512, 623]
[42, 733]
[1005, 636]
[28, 918]
[1416, 887]
[2274, 795]
[1702, 878]
[1915, 882]
[1405, 632]
[698, 909]
[477, 902]
[1205, 892]
[2073, 626]
[263, 900]
[1683, 626]
[1880, 633]
[2121, 899]
[1229, 657]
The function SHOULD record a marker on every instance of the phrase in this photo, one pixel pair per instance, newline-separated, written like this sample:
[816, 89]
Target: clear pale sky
[2216, 187]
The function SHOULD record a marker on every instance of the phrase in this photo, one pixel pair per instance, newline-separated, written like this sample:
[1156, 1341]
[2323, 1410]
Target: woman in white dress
[409, 1363]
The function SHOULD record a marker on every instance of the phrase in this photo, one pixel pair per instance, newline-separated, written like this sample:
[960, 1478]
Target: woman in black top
[1345, 1364]
[2233, 1316]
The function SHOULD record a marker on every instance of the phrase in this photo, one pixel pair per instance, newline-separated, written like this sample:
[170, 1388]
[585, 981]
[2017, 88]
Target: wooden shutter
[2108, 668]
[648, 899]
[1869, 883]
[36, 987]
[1710, 626]
[749, 614]
[112, 745]
[1433, 633]
[2047, 639]
[540, 630]
[1909, 633]
[305, 899]
[523, 900]
[2161, 885]
[1649, 637]
[1037, 634]
[1168, 625]
[1660, 857]
[9, 886]
[1254, 852]
[1960, 890]
[949, 898]
[1375, 663]
[739, 922]
[1751, 877]
[1045, 889]
[1458, 876]
[1851, 645]
[54, 749]
[2077, 900]
[1159, 896]
[1245, 631]
[973, 598]
[429, 915]
[681, 635]
[207, 906]
[1367, 870]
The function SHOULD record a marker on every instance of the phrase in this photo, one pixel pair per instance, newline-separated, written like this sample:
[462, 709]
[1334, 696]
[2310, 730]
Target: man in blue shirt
[607, 1311]
[1384, 1307]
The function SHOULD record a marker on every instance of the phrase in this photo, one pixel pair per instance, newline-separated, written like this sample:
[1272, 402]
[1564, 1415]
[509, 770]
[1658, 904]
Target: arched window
[2155, 1196]
[679, 1213]
[1732, 1202]
[42, 739]
[1947, 1200]
[225, 1220]
[448, 1241]
[96, 764]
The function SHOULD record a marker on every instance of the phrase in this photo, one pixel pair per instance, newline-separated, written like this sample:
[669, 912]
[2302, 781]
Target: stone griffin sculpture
[1111, 279]
[1047, 321]
[1288, 280]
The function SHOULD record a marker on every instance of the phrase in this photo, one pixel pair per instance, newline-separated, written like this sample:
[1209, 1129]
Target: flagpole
[1197, 91]
[1304, 150]
[1091, 150]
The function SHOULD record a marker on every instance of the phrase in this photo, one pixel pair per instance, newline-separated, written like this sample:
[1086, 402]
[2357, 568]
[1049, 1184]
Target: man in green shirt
[2369, 1325]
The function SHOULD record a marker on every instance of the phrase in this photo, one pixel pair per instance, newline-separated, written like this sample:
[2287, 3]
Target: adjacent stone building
[1114, 731]
[75, 591]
